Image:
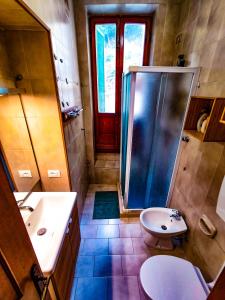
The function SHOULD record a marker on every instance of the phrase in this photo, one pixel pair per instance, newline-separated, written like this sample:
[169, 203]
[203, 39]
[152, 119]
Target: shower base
[124, 212]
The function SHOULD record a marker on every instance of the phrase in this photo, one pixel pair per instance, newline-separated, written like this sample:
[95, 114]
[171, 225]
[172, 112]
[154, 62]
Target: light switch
[25, 173]
[53, 173]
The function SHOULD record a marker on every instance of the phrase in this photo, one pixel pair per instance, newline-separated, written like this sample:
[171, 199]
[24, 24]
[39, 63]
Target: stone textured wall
[162, 51]
[202, 165]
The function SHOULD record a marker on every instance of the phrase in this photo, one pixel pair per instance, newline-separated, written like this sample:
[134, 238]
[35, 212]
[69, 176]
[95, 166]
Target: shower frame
[145, 69]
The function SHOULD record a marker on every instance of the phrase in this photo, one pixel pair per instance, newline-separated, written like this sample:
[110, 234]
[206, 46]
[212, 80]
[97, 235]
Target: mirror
[16, 149]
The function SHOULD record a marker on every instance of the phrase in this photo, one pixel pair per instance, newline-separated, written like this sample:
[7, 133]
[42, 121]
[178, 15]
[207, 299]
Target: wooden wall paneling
[196, 106]
[216, 130]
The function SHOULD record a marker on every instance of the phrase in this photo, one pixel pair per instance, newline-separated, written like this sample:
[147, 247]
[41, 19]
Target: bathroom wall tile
[206, 60]
[217, 72]
[106, 176]
[214, 256]
[215, 21]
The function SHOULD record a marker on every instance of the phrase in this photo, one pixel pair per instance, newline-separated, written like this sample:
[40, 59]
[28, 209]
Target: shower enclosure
[154, 104]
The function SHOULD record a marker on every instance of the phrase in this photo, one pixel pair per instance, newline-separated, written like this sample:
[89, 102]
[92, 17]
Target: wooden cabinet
[62, 277]
[214, 107]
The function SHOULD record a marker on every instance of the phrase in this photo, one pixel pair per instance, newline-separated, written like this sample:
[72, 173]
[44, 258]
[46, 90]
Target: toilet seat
[165, 277]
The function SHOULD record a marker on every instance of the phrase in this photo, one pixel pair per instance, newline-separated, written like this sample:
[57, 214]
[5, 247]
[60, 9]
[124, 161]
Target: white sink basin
[47, 224]
[158, 221]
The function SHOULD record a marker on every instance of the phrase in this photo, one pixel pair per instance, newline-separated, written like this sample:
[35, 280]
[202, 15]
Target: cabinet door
[74, 233]
[63, 275]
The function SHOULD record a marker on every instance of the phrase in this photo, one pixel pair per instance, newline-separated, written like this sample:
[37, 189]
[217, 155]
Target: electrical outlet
[54, 173]
[25, 173]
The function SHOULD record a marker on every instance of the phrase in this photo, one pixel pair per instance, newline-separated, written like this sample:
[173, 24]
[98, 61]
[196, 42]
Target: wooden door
[111, 54]
[17, 256]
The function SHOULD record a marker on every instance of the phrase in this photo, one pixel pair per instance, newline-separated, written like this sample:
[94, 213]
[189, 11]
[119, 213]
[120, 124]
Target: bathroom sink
[47, 224]
[158, 221]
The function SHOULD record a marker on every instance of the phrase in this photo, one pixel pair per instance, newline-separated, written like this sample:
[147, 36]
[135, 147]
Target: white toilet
[165, 277]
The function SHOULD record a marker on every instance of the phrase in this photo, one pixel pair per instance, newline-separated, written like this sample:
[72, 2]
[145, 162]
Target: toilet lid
[165, 277]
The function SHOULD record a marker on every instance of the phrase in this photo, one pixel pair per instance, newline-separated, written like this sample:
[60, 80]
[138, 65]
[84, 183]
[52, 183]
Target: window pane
[105, 35]
[134, 38]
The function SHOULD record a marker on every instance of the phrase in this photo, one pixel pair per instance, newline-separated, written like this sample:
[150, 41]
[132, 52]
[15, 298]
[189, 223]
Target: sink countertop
[52, 211]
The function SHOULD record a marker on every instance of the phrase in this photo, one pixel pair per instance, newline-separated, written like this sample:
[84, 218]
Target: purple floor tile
[73, 289]
[91, 288]
[130, 230]
[95, 247]
[143, 295]
[85, 219]
[140, 247]
[108, 231]
[99, 221]
[88, 231]
[81, 246]
[123, 288]
[118, 221]
[84, 266]
[120, 246]
[107, 265]
[131, 264]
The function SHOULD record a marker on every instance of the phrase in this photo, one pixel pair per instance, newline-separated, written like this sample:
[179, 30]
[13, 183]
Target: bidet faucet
[176, 214]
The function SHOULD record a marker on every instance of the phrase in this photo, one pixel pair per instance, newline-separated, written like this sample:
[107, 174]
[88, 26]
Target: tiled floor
[111, 254]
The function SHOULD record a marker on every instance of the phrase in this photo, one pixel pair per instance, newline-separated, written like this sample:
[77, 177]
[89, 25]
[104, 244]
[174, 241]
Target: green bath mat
[106, 205]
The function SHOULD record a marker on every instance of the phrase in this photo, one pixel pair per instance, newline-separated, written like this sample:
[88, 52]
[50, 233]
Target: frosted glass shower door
[147, 87]
[126, 94]
[157, 116]
[171, 108]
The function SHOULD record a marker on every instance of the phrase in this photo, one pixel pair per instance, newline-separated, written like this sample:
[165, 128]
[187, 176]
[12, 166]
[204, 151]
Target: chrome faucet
[21, 202]
[176, 214]
[26, 207]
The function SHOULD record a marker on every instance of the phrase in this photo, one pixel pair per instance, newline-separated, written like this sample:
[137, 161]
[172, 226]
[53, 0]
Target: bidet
[161, 225]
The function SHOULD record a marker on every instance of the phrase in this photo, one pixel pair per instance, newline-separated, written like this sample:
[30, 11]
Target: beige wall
[60, 20]
[165, 24]
[202, 165]
[14, 136]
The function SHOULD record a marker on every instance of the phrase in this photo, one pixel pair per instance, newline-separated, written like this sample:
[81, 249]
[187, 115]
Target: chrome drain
[163, 227]
[41, 231]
